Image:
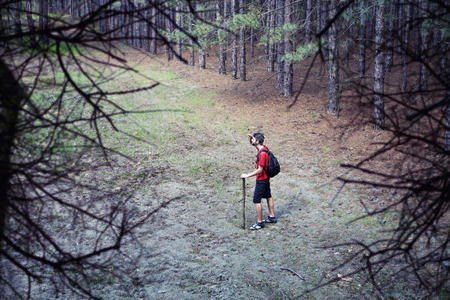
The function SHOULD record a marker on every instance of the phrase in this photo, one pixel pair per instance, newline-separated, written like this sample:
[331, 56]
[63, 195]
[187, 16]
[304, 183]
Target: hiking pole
[243, 203]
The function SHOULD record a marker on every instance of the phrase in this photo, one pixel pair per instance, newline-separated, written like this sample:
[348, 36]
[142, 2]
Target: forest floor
[195, 247]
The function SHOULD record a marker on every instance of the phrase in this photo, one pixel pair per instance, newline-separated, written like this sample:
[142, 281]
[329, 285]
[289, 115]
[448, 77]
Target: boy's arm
[254, 173]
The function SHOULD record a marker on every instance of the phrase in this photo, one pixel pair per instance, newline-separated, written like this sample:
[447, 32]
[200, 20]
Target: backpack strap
[263, 150]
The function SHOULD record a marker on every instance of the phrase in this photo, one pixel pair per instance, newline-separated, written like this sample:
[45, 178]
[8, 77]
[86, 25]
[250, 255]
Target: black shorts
[262, 190]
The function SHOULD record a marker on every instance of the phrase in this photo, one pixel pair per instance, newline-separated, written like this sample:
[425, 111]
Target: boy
[262, 188]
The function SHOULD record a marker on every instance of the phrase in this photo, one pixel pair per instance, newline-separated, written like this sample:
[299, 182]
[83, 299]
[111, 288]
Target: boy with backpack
[266, 166]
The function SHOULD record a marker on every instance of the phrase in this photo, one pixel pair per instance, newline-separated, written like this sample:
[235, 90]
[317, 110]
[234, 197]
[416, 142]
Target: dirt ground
[195, 248]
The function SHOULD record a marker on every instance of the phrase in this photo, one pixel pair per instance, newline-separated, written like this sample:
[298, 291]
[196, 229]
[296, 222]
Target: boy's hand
[250, 139]
[243, 175]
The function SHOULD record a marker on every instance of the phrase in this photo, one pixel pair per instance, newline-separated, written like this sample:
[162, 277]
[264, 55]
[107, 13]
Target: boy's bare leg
[258, 207]
[270, 205]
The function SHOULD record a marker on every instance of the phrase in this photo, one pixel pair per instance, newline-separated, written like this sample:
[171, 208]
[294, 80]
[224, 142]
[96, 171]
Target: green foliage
[202, 30]
[116, 4]
[302, 52]
[173, 36]
[348, 14]
[55, 15]
[209, 35]
[276, 35]
[326, 149]
[205, 34]
[51, 48]
[250, 19]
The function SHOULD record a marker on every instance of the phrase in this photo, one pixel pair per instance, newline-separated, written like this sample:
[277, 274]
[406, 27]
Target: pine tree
[234, 49]
[191, 49]
[169, 29]
[43, 18]
[280, 47]
[271, 26]
[406, 32]
[424, 37]
[333, 52]
[308, 14]
[153, 20]
[447, 126]
[389, 43]
[222, 14]
[242, 48]
[30, 21]
[378, 87]
[362, 38]
[179, 19]
[288, 67]
[16, 17]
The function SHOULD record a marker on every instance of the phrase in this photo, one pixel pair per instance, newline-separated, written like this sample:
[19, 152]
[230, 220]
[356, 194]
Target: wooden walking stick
[243, 203]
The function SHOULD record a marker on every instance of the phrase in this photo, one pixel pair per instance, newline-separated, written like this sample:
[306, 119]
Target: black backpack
[274, 167]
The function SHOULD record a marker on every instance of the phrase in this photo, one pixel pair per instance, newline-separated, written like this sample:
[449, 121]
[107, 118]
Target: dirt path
[194, 247]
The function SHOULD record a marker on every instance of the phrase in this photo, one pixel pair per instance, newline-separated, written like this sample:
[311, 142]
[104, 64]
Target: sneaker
[257, 226]
[269, 219]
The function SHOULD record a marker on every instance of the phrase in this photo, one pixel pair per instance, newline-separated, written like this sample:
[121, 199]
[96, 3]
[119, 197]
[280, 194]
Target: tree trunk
[102, 22]
[43, 18]
[271, 48]
[436, 35]
[389, 43]
[362, 39]
[415, 26]
[242, 48]
[349, 39]
[252, 42]
[146, 30]
[130, 24]
[333, 53]
[234, 49]
[122, 21]
[406, 46]
[221, 14]
[11, 96]
[88, 6]
[136, 23]
[444, 65]
[423, 85]
[371, 24]
[179, 17]
[136, 39]
[325, 17]
[378, 87]
[201, 52]
[400, 23]
[318, 16]
[168, 26]
[266, 28]
[152, 29]
[201, 58]
[192, 49]
[112, 25]
[308, 21]
[30, 21]
[16, 13]
[447, 125]
[288, 67]
[280, 46]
